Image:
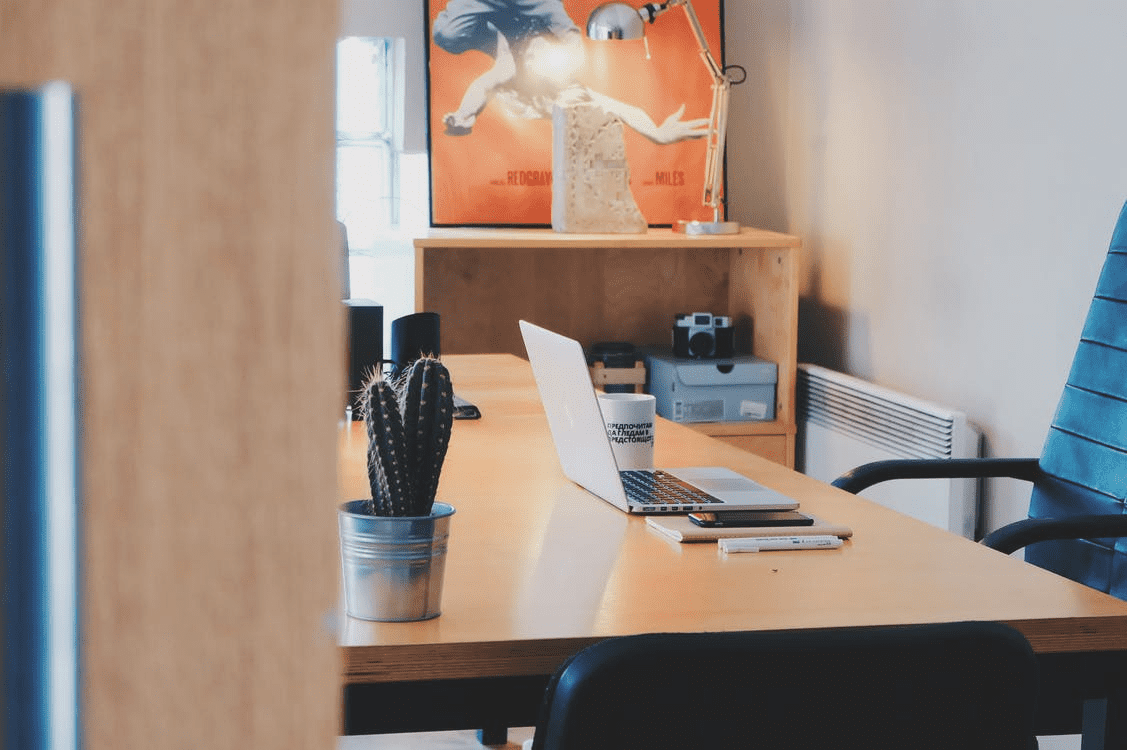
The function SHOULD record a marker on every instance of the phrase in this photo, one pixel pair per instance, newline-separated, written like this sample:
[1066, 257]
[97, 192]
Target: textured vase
[590, 176]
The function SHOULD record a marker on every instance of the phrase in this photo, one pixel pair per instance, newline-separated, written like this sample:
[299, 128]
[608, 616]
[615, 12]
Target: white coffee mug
[629, 418]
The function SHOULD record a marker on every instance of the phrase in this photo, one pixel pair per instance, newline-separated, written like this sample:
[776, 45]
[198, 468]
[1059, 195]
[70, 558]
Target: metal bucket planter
[393, 567]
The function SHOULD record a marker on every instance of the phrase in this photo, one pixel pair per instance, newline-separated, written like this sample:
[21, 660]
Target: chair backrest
[1085, 454]
[964, 685]
[345, 274]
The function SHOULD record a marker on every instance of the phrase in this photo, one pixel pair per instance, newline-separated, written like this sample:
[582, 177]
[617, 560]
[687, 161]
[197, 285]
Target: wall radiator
[844, 422]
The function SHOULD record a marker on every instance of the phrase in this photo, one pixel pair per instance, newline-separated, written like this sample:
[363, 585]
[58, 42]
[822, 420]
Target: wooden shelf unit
[620, 287]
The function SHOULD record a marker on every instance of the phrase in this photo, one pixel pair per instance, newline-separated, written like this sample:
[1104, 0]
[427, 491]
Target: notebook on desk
[587, 458]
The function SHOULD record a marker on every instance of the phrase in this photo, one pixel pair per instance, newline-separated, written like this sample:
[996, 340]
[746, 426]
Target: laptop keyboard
[661, 489]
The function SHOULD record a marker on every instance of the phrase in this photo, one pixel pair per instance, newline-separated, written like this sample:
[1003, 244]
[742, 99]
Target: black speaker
[365, 345]
[413, 336]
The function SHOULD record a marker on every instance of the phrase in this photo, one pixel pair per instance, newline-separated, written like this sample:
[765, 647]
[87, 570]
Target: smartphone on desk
[750, 518]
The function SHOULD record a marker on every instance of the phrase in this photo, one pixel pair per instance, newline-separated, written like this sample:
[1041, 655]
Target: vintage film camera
[702, 335]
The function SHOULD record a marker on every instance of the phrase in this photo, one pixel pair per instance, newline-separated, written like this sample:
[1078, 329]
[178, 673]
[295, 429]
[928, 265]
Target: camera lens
[701, 344]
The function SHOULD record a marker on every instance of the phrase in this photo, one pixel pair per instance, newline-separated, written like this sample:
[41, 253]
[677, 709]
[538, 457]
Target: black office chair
[1077, 523]
[953, 685]
[345, 274]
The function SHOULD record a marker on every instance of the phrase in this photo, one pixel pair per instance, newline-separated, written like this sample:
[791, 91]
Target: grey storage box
[739, 389]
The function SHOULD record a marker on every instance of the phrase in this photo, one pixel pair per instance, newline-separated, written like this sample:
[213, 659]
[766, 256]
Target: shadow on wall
[757, 133]
[826, 334]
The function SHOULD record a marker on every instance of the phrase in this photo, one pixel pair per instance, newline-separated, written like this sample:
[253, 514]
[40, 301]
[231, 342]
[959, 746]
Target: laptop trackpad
[719, 482]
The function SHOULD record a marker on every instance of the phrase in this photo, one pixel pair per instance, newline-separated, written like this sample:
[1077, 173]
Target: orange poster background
[483, 178]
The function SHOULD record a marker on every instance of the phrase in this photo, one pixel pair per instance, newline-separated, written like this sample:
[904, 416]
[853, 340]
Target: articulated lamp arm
[617, 20]
[718, 116]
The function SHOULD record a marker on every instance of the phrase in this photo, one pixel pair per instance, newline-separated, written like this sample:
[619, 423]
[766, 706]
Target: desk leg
[1105, 722]
[493, 736]
[1094, 724]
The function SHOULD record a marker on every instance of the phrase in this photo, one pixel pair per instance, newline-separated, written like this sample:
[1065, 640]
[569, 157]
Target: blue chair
[950, 685]
[1077, 523]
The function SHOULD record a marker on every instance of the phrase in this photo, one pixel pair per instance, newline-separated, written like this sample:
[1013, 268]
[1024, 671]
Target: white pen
[766, 543]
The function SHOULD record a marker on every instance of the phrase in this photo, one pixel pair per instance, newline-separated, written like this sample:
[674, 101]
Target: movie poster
[496, 67]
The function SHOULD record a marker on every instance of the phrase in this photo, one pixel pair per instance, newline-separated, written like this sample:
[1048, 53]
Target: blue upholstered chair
[951, 685]
[1077, 523]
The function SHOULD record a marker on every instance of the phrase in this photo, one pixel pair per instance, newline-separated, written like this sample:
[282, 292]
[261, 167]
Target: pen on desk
[767, 543]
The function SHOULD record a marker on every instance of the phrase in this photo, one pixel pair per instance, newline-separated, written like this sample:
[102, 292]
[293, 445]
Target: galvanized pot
[393, 567]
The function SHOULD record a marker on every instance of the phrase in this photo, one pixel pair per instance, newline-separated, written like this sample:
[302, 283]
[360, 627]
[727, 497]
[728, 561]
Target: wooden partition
[212, 363]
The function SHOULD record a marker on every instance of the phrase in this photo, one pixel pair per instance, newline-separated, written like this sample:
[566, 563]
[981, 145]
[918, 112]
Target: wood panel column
[212, 363]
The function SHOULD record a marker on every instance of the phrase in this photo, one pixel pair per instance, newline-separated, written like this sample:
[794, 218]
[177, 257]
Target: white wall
[955, 170]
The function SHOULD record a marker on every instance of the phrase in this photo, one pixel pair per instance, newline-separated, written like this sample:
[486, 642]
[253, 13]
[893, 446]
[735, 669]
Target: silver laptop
[587, 458]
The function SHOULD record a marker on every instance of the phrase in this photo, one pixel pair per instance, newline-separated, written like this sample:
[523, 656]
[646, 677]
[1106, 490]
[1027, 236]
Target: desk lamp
[623, 21]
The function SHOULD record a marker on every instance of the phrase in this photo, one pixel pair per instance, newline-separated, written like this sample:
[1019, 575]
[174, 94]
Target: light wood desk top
[539, 568]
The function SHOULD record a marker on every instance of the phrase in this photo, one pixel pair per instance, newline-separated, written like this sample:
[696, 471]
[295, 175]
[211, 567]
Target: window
[366, 154]
[381, 191]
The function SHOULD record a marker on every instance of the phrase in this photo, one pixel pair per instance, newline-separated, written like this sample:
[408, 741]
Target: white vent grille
[844, 422]
[883, 418]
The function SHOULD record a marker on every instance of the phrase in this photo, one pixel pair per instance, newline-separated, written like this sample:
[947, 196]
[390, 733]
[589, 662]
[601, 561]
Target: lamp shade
[615, 21]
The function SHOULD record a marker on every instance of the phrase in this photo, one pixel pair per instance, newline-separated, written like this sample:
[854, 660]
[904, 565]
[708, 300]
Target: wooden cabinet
[610, 287]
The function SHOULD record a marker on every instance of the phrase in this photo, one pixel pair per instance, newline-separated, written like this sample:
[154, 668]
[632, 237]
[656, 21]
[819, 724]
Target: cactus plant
[409, 421]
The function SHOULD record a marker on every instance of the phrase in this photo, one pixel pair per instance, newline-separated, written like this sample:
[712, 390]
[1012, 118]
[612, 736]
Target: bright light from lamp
[555, 62]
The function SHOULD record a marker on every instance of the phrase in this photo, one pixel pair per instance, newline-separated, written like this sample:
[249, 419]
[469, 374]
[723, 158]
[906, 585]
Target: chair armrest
[1016, 535]
[867, 475]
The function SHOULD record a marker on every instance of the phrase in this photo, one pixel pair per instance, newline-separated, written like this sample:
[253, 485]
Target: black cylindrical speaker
[414, 336]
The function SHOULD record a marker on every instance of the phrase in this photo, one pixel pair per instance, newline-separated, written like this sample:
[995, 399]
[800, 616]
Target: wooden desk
[538, 568]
